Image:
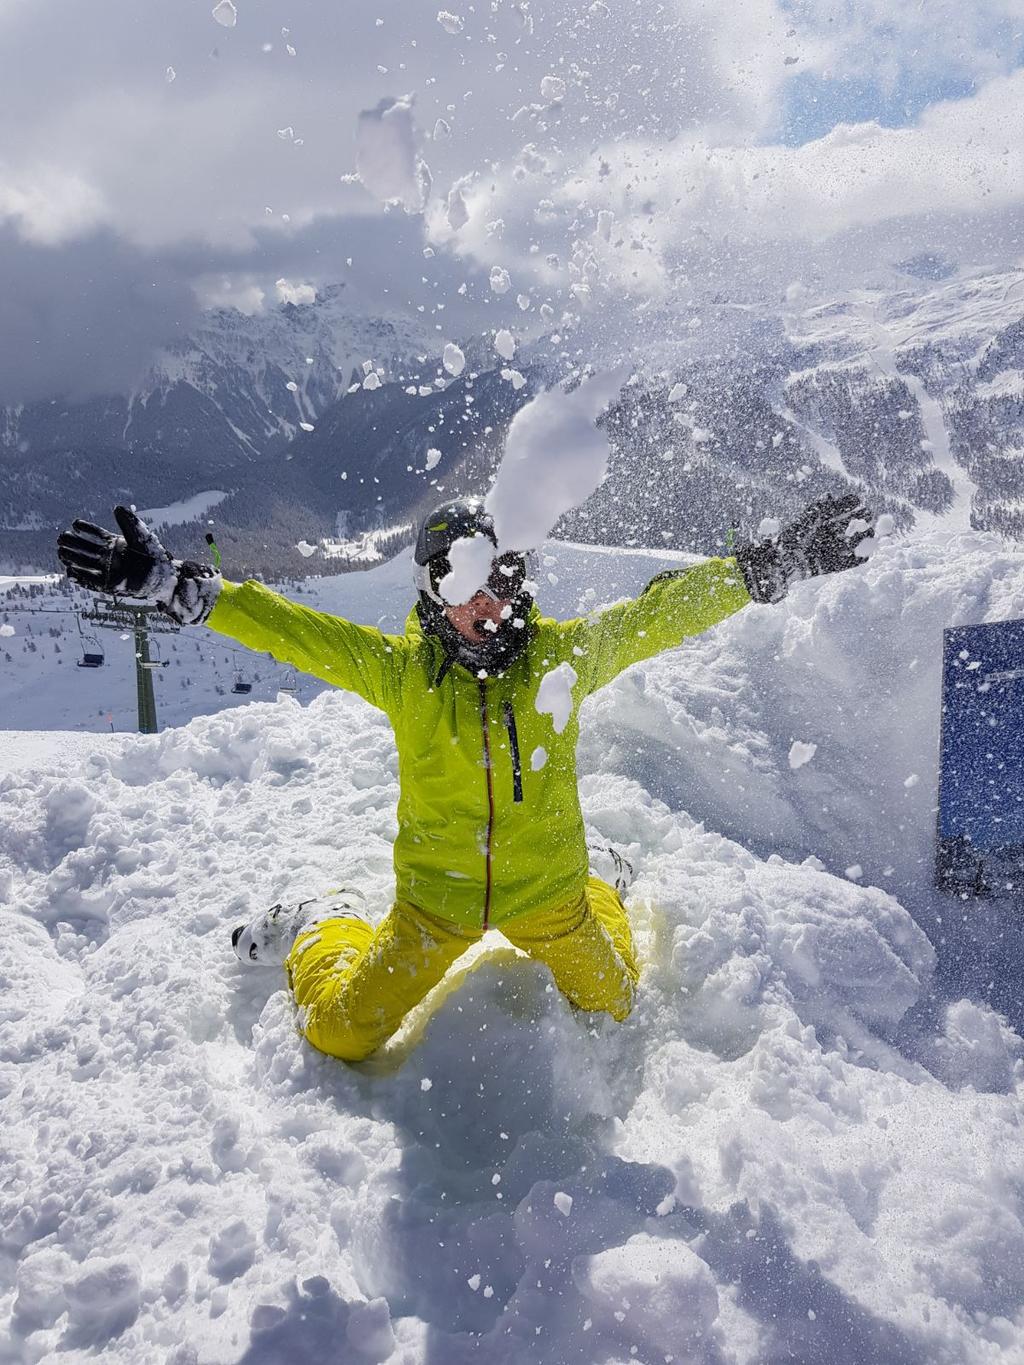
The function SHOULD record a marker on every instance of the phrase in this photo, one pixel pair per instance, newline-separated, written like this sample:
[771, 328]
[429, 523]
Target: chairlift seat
[242, 687]
[90, 661]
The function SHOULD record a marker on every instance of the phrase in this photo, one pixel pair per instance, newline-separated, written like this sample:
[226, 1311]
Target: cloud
[649, 220]
[663, 117]
[49, 206]
[84, 318]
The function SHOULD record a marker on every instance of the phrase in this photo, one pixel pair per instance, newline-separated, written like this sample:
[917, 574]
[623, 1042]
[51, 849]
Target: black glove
[819, 541]
[135, 564]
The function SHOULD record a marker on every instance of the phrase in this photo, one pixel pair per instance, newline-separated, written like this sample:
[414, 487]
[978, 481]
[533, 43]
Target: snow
[500, 280]
[554, 695]
[433, 458]
[1005, 384]
[453, 359]
[387, 160]
[451, 23]
[804, 1144]
[225, 14]
[470, 558]
[188, 509]
[532, 489]
[801, 753]
[505, 343]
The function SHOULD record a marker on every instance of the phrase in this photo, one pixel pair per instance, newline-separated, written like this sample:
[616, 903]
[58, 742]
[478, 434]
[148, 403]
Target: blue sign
[981, 778]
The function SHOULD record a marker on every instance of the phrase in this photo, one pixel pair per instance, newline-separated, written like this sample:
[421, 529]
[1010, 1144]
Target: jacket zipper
[513, 739]
[490, 803]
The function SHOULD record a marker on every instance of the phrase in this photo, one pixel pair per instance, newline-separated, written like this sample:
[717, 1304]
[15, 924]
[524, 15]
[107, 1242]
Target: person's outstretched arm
[679, 603]
[358, 658]
[134, 564]
[674, 605]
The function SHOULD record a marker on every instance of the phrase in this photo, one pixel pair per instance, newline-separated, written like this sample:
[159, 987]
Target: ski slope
[804, 1144]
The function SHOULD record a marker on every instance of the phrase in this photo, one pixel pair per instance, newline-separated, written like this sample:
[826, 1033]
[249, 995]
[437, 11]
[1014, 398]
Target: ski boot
[267, 940]
[609, 864]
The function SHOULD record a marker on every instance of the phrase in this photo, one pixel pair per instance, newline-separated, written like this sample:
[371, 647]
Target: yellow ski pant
[354, 985]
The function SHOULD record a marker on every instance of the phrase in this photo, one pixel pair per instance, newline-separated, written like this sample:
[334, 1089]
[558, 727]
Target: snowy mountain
[235, 407]
[308, 413]
[913, 395]
[803, 1145]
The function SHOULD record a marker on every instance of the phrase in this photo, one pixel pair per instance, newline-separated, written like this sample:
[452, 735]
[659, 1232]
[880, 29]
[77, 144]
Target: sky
[611, 159]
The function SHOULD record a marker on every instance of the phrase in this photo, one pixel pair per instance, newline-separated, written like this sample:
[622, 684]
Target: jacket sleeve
[674, 605]
[358, 658]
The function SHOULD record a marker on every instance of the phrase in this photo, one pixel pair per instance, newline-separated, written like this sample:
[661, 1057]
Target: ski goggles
[511, 575]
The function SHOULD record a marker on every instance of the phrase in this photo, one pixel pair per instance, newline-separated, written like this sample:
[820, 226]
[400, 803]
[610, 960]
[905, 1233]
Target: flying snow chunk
[516, 379]
[287, 292]
[453, 360]
[676, 392]
[563, 1203]
[225, 14]
[372, 381]
[801, 753]
[854, 872]
[500, 280]
[387, 161]
[426, 1083]
[532, 490]
[307, 426]
[458, 213]
[433, 458]
[291, 386]
[442, 129]
[6, 631]
[554, 696]
[451, 23]
[170, 74]
[305, 549]
[505, 344]
[524, 301]
[552, 88]
[768, 528]
[471, 558]
[538, 758]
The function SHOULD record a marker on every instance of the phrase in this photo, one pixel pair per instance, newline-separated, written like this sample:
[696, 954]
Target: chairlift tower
[142, 621]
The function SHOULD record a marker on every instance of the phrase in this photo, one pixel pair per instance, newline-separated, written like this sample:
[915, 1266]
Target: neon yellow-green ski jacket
[489, 820]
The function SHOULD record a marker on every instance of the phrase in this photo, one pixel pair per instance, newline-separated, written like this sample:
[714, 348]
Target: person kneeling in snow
[485, 840]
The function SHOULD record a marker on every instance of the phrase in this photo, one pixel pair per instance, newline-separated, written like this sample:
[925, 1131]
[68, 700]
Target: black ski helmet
[457, 519]
[461, 519]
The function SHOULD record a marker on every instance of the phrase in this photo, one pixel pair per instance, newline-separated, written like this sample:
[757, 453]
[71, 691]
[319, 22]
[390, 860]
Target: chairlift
[241, 685]
[91, 658]
[152, 664]
[290, 683]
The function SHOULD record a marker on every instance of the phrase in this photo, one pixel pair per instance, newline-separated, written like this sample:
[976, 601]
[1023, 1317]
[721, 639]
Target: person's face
[470, 618]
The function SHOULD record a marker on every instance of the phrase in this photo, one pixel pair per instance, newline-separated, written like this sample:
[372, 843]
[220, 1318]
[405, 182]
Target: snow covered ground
[804, 1145]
